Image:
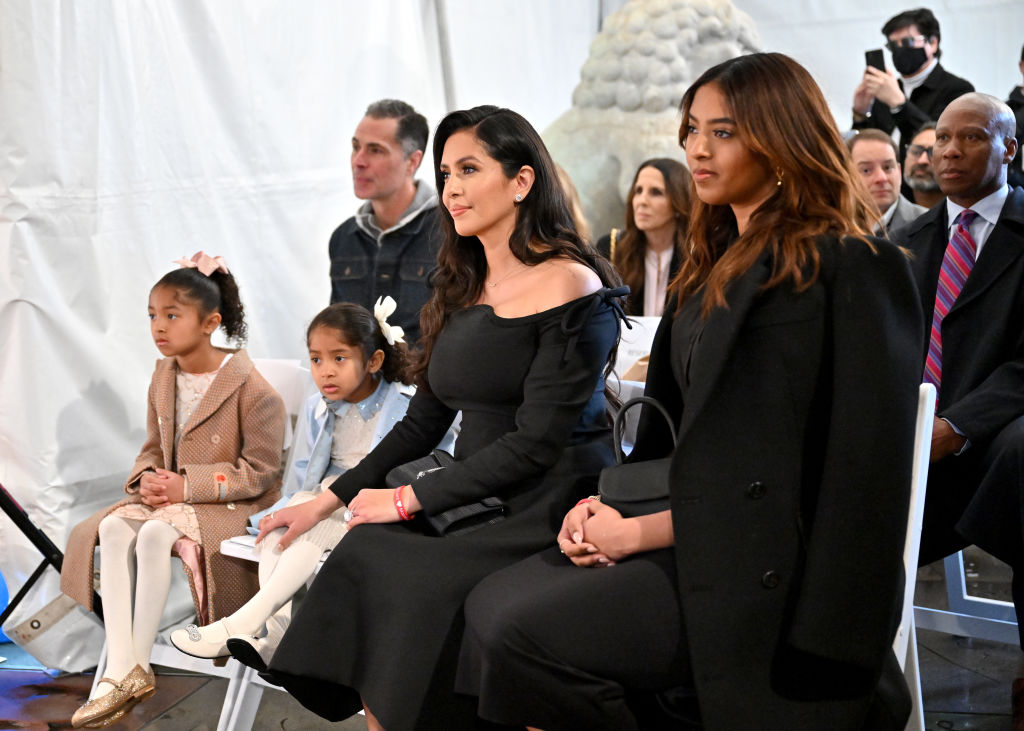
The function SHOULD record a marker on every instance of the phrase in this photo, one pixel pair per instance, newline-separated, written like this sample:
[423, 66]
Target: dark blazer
[982, 387]
[635, 300]
[790, 489]
[983, 333]
[925, 104]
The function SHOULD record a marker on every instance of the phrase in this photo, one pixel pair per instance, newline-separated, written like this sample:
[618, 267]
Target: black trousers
[978, 497]
[552, 645]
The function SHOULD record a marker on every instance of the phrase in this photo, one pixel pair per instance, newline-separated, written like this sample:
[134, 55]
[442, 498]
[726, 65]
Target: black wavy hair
[544, 227]
[356, 326]
[215, 293]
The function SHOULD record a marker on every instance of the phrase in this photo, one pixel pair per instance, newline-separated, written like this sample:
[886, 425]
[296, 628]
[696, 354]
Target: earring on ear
[778, 175]
[519, 198]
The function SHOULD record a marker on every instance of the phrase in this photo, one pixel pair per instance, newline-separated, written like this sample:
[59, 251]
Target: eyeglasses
[915, 151]
[907, 42]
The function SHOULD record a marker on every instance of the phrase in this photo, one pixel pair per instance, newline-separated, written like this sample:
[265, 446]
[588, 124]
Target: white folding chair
[294, 383]
[968, 615]
[905, 645]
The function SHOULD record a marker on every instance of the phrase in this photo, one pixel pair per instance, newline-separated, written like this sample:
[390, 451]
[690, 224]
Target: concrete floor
[966, 682]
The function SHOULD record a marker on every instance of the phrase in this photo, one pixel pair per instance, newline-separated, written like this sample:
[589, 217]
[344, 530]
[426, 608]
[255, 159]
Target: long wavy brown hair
[782, 117]
[543, 230]
[631, 247]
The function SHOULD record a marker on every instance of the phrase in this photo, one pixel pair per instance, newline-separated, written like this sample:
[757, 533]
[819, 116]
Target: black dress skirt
[383, 621]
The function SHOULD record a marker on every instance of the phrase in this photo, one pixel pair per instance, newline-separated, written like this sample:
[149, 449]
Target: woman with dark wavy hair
[517, 337]
[649, 251]
[766, 594]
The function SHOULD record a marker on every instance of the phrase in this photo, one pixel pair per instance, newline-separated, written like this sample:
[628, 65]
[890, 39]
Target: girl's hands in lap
[161, 487]
[298, 518]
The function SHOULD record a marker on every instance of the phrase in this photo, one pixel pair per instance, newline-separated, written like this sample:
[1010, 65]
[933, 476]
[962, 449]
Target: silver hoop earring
[519, 198]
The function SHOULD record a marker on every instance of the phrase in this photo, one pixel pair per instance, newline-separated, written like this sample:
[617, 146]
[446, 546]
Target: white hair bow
[384, 308]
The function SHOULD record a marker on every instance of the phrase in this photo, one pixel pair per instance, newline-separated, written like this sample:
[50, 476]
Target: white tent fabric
[133, 132]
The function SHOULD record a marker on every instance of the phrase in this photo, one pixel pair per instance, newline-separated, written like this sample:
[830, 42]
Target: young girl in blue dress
[212, 458]
[359, 365]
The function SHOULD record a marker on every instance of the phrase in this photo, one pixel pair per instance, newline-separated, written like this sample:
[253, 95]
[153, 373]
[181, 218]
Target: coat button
[756, 490]
[770, 579]
[215, 439]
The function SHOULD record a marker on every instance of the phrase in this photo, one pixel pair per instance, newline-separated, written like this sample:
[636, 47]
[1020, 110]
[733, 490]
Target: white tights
[125, 544]
[282, 573]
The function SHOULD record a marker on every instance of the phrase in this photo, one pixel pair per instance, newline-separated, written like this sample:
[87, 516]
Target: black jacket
[925, 104]
[789, 492]
[362, 271]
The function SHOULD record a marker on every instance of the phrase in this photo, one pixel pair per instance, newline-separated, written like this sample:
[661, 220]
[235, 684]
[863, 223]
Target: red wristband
[399, 506]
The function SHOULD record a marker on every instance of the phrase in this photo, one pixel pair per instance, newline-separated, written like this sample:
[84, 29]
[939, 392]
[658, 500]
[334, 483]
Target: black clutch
[460, 519]
[636, 488]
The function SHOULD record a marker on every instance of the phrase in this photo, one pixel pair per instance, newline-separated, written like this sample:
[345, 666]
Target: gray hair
[412, 126]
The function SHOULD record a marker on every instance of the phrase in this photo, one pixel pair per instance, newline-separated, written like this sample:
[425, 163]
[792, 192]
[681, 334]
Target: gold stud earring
[778, 175]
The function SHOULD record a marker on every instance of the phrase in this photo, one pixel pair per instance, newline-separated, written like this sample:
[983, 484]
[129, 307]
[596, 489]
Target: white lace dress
[189, 391]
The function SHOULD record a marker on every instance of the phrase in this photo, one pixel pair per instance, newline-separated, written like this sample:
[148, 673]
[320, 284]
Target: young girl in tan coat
[211, 459]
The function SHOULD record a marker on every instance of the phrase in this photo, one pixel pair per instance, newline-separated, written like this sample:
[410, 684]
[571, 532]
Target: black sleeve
[561, 381]
[423, 427]
[855, 549]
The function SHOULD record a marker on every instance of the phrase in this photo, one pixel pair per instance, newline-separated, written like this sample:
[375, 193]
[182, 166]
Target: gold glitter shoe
[137, 685]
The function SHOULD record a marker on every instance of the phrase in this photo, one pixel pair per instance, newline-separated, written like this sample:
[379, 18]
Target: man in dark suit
[881, 101]
[975, 353]
[874, 156]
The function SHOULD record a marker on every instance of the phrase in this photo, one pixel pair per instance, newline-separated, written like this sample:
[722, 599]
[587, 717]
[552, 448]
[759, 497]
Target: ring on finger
[347, 515]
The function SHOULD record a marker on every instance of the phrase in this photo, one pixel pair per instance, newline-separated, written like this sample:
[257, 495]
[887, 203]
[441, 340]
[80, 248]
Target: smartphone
[875, 59]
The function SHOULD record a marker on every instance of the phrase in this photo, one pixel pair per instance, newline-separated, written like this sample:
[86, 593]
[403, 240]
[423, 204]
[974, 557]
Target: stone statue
[625, 108]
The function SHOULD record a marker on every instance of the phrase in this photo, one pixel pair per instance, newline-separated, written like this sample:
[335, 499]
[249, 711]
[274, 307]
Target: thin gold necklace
[507, 275]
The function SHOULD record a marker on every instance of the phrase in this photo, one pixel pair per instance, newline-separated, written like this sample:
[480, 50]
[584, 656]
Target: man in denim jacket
[390, 246]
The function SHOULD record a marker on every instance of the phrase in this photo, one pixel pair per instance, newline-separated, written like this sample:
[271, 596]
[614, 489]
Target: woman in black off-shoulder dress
[517, 336]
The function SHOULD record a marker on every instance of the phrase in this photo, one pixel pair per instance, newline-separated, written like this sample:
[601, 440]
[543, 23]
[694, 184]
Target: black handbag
[461, 518]
[636, 488]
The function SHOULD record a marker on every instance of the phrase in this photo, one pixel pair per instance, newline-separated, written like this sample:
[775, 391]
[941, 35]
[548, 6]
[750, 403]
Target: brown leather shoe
[1017, 704]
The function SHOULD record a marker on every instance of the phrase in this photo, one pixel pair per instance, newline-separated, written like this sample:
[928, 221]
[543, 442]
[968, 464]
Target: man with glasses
[923, 89]
[918, 175]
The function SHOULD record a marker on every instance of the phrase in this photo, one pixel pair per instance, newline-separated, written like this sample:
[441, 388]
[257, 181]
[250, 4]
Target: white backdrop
[133, 132]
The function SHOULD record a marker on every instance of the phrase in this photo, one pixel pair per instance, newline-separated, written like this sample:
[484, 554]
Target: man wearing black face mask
[923, 89]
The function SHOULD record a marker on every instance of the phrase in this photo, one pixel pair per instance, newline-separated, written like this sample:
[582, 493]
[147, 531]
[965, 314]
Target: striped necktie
[956, 266]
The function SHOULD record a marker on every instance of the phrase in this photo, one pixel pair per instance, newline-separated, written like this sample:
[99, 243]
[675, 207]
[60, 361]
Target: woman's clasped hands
[594, 534]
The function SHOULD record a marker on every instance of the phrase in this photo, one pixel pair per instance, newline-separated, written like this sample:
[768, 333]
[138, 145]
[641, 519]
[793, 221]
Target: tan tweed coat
[230, 451]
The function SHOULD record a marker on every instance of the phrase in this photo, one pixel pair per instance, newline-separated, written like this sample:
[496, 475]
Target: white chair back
[905, 644]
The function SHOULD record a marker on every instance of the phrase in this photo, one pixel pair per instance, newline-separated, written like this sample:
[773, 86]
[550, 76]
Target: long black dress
[383, 620]
[789, 490]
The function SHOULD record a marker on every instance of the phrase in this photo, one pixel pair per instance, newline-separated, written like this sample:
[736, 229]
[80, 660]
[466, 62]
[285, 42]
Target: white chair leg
[235, 681]
[913, 676]
[101, 667]
[247, 703]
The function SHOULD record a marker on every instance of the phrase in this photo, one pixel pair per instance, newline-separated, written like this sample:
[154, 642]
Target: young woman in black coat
[789, 361]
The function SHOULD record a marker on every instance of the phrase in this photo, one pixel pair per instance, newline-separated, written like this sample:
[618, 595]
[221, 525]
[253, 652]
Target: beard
[921, 183]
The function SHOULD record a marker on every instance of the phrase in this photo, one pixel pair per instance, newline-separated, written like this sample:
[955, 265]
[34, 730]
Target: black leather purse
[636, 488]
[461, 518]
